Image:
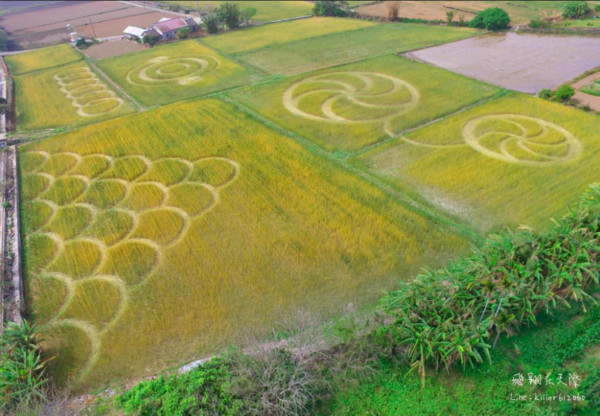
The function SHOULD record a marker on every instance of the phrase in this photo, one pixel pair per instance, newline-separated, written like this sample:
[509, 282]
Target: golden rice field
[174, 72]
[351, 106]
[42, 59]
[269, 35]
[157, 238]
[514, 160]
[65, 96]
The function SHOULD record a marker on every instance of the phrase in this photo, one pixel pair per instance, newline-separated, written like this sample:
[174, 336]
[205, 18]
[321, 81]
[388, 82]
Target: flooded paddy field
[522, 62]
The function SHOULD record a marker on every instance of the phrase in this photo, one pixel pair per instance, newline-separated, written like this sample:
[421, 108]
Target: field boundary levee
[12, 283]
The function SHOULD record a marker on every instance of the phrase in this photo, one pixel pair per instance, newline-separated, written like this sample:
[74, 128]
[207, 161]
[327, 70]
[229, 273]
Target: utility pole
[92, 25]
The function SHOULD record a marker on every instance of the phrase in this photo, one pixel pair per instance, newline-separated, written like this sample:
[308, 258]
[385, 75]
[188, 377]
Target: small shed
[132, 32]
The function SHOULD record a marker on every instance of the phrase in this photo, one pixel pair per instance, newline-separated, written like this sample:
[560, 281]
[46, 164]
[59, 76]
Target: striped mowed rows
[44, 58]
[259, 37]
[176, 71]
[351, 106]
[514, 160]
[314, 53]
[166, 233]
[65, 96]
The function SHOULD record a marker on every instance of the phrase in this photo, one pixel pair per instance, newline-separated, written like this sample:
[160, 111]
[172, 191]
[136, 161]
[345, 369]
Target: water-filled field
[159, 237]
[517, 61]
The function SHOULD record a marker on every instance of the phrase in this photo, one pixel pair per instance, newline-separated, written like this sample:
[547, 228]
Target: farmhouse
[167, 28]
[137, 33]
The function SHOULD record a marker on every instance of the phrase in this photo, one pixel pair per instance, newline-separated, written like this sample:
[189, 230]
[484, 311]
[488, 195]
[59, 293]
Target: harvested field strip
[514, 160]
[340, 48]
[268, 35]
[360, 104]
[50, 57]
[68, 96]
[210, 223]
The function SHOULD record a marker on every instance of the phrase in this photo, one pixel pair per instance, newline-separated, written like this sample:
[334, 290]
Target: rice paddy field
[158, 237]
[513, 161]
[266, 11]
[351, 106]
[340, 48]
[44, 58]
[66, 97]
[268, 35]
[174, 72]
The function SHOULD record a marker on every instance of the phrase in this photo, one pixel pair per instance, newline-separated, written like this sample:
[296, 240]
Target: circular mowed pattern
[521, 139]
[183, 70]
[348, 97]
[90, 96]
[100, 227]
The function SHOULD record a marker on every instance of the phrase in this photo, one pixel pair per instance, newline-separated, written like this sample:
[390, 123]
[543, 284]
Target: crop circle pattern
[348, 97]
[122, 242]
[521, 139]
[183, 70]
[90, 96]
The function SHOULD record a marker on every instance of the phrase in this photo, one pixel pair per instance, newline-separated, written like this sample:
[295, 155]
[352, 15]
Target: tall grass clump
[455, 315]
[23, 381]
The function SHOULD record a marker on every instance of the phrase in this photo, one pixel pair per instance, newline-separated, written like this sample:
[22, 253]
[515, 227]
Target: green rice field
[355, 105]
[174, 72]
[266, 11]
[513, 161]
[340, 48]
[166, 233]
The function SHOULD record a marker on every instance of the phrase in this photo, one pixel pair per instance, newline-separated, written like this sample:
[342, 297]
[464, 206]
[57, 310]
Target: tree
[230, 14]
[392, 10]
[211, 23]
[491, 19]
[575, 9]
[564, 93]
[330, 8]
[183, 33]
[151, 39]
[248, 13]
[449, 16]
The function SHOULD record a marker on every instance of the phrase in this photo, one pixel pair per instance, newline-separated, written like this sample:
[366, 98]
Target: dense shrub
[211, 22]
[575, 9]
[564, 93]
[491, 19]
[230, 14]
[268, 384]
[151, 39]
[330, 8]
[23, 381]
[539, 24]
[456, 315]
[183, 33]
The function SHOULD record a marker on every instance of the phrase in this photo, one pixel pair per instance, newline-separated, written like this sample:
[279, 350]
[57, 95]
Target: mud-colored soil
[108, 49]
[587, 99]
[115, 27]
[522, 62]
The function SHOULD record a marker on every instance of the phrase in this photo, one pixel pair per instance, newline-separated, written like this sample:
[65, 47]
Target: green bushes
[575, 9]
[23, 380]
[270, 383]
[562, 94]
[330, 8]
[456, 315]
[211, 22]
[491, 19]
